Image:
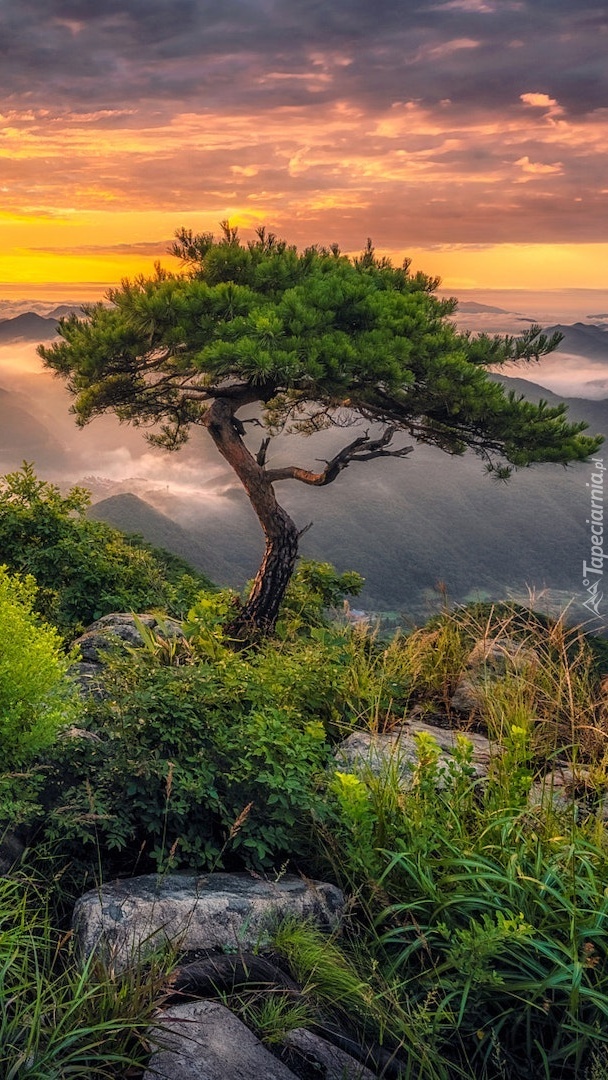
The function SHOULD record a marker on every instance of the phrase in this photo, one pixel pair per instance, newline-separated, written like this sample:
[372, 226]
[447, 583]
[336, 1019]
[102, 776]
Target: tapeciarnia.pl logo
[593, 571]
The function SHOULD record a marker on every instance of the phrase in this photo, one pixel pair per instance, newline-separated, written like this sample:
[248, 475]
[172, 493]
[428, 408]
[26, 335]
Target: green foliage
[475, 940]
[550, 687]
[506, 935]
[484, 916]
[314, 588]
[180, 750]
[344, 990]
[36, 697]
[273, 1017]
[84, 569]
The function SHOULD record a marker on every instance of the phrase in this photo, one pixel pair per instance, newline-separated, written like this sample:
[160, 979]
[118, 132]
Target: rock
[121, 626]
[559, 788]
[12, 848]
[203, 1040]
[489, 659]
[127, 919]
[365, 750]
[110, 631]
[469, 695]
[328, 1061]
[500, 655]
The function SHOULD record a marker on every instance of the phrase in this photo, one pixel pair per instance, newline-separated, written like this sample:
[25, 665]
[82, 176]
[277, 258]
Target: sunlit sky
[470, 135]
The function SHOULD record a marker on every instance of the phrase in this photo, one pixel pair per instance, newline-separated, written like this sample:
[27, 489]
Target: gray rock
[500, 655]
[490, 659]
[108, 633]
[127, 919]
[365, 750]
[121, 627]
[559, 788]
[12, 848]
[330, 1062]
[469, 695]
[203, 1040]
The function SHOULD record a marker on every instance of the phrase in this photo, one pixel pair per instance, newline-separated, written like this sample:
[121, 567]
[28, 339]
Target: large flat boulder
[203, 1040]
[127, 919]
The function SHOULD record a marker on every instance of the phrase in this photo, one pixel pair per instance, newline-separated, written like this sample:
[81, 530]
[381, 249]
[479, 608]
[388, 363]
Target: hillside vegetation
[475, 943]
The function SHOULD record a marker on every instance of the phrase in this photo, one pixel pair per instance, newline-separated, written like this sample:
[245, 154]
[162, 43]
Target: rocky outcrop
[365, 751]
[12, 848]
[125, 920]
[565, 788]
[490, 659]
[203, 1040]
[109, 633]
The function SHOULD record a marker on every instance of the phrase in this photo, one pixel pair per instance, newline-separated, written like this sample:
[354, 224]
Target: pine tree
[313, 339]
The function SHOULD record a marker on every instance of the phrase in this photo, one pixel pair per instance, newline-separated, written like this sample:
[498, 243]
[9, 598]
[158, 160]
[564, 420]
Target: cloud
[362, 117]
[537, 168]
[538, 101]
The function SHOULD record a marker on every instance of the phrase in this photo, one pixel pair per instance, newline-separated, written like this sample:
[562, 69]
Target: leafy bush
[314, 588]
[84, 569]
[201, 763]
[36, 696]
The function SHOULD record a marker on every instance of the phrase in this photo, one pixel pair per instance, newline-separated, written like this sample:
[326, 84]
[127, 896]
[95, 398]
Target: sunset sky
[471, 135]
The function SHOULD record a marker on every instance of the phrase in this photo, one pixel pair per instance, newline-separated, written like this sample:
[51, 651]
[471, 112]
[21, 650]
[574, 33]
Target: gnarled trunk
[259, 615]
[260, 612]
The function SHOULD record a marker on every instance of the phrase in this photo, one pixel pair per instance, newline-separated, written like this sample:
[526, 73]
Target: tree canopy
[314, 339]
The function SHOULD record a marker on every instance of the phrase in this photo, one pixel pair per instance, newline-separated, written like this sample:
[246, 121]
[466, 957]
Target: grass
[58, 1018]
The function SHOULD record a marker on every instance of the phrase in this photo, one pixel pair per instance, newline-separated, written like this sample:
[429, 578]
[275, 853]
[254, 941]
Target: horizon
[547, 305]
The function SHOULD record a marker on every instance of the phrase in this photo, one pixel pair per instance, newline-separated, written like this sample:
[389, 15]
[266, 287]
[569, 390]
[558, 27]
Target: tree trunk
[259, 615]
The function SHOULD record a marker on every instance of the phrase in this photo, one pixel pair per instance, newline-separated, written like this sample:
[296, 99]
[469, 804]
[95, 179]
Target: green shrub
[484, 916]
[200, 764]
[84, 569]
[315, 588]
[36, 696]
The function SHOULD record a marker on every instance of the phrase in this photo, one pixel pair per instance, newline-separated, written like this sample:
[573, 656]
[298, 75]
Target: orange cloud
[538, 101]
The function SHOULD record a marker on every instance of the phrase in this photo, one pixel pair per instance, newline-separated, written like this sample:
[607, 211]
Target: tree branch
[361, 449]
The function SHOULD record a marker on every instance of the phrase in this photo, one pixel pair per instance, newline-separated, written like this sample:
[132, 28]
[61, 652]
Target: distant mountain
[472, 307]
[212, 549]
[593, 412]
[582, 339]
[27, 327]
[64, 309]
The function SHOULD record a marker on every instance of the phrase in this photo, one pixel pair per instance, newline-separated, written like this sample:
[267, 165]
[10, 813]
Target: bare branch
[361, 449]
